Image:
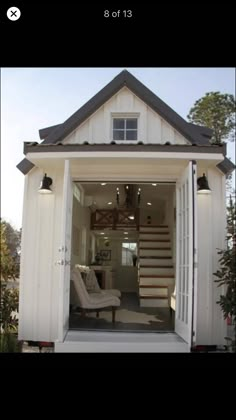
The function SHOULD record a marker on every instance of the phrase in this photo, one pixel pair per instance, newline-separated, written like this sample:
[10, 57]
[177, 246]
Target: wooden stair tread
[156, 266]
[158, 226]
[154, 286]
[154, 240]
[155, 257]
[154, 233]
[160, 249]
[152, 297]
[158, 276]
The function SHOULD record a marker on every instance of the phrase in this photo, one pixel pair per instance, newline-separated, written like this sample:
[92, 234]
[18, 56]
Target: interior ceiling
[102, 194]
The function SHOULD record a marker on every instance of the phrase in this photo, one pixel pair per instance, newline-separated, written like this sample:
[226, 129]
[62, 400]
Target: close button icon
[13, 13]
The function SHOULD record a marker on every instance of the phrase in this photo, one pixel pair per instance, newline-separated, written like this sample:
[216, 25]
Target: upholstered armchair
[91, 301]
[92, 285]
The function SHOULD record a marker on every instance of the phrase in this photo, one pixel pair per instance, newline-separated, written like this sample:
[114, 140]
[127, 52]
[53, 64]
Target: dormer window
[125, 129]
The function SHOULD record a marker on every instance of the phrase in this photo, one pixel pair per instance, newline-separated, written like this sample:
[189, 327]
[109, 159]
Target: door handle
[59, 262]
[62, 248]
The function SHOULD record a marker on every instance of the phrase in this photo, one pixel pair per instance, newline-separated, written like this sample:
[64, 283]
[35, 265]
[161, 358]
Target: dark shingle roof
[125, 79]
[197, 135]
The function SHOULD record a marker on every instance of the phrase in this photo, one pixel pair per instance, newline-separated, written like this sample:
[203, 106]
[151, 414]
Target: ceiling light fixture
[109, 203]
[149, 204]
[103, 183]
[154, 185]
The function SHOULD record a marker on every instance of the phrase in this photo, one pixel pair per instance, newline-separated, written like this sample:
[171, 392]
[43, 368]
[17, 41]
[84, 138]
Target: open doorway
[125, 233]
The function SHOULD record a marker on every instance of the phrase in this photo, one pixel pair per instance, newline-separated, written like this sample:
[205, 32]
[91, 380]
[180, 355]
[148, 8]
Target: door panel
[185, 251]
[65, 249]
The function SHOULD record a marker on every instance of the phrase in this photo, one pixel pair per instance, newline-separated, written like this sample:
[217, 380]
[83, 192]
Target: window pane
[118, 135]
[119, 123]
[129, 253]
[131, 123]
[131, 135]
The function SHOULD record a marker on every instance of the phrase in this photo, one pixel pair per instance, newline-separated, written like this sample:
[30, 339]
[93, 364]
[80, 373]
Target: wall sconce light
[45, 185]
[203, 187]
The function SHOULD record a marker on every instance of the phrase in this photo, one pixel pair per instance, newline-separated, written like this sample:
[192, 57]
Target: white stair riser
[154, 244]
[154, 303]
[153, 229]
[154, 236]
[155, 271]
[155, 261]
[157, 281]
[154, 253]
[160, 291]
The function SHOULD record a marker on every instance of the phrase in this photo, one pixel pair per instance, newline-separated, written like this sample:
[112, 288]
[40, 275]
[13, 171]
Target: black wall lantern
[45, 185]
[203, 187]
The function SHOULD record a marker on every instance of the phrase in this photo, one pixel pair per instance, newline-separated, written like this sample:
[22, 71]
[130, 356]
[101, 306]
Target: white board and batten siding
[39, 276]
[151, 127]
[211, 326]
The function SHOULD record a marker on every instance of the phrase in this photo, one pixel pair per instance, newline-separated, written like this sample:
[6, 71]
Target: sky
[34, 98]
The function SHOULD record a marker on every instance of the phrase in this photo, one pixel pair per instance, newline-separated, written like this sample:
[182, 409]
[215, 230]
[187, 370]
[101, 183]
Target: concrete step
[118, 342]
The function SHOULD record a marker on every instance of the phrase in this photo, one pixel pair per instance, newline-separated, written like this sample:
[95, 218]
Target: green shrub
[9, 343]
[9, 305]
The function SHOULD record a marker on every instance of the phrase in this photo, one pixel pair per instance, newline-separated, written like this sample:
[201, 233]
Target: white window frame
[125, 116]
[130, 249]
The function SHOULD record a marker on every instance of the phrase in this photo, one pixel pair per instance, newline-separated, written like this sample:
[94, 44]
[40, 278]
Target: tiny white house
[136, 195]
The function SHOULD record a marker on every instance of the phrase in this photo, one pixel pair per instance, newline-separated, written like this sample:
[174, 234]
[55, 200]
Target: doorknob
[59, 262]
[62, 248]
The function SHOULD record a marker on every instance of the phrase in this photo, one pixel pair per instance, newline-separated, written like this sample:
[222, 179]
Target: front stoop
[117, 342]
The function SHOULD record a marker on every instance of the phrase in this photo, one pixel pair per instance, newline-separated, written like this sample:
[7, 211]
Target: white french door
[186, 252]
[65, 251]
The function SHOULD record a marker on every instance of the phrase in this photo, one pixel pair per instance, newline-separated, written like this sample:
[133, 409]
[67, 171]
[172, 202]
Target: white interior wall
[157, 213]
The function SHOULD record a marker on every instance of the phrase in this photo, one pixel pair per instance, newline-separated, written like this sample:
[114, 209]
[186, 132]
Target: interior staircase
[156, 271]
